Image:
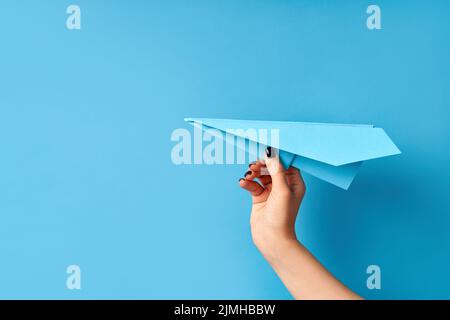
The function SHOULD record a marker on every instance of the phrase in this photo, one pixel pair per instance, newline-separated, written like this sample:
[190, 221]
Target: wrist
[274, 247]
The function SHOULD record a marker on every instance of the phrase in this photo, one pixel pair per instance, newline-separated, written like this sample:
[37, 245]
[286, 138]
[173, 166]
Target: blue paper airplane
[331, 152]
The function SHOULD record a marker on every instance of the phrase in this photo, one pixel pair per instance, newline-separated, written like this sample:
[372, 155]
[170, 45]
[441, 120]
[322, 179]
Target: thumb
[276, 170]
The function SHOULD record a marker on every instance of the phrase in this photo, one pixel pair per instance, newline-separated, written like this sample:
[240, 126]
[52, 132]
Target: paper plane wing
[328, 151]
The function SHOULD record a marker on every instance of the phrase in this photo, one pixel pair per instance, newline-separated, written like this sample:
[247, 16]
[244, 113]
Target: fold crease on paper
[329, 151]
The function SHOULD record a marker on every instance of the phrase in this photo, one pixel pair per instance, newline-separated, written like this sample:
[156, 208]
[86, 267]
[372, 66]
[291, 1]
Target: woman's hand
[276, 201]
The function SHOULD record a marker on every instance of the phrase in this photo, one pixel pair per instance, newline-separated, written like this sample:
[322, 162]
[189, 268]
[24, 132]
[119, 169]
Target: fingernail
[241, 179]
[269, 152]
[251, 163]
[247, 173]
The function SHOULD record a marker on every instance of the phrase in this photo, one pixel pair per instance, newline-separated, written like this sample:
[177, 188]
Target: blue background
[86, 116]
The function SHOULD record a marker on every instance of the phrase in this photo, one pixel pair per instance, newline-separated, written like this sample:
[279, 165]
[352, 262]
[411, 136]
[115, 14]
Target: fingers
[260, 172]
[265, 180]
[259, 192]
[293, 176]
[276, 170]
[272, 176]
[251, 186]
[295, 181]
[256, 166]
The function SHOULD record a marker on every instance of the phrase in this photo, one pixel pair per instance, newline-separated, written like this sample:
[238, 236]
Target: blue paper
[331, 152]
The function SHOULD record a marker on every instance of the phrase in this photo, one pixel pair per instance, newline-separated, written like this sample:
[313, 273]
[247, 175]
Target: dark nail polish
[247, 173]
[269, 152]
[241, 179]
[251, 163]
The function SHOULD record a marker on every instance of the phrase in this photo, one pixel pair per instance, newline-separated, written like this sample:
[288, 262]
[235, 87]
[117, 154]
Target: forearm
[303, 275]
